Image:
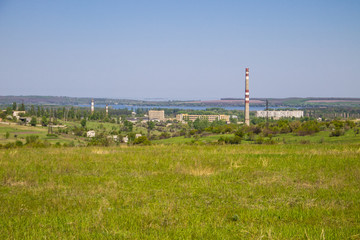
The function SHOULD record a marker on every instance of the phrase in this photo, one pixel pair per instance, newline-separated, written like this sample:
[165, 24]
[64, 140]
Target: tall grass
[181, 192]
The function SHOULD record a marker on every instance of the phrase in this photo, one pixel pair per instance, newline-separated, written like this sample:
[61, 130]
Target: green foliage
[78, 131]
[32, 139]
[230, 140]
[337, 132]
[9, 111]
[33, 121]
[128, 126]
[14, 107]
[7, 135]
[83, 123]
[308, 128]
[201, 124]
[240, 133]
[22, 107]
[18, 143]
[143, 140]
[44, 121]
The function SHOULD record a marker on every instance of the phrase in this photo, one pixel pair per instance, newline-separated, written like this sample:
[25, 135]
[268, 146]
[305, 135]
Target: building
[18, 113]
[90, 134]
[186, 117]
[279, 114]
[157, 115]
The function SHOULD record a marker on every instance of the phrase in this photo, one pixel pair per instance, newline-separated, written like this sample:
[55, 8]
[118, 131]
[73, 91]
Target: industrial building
[279, 114]
[186, 117]
[156, 115]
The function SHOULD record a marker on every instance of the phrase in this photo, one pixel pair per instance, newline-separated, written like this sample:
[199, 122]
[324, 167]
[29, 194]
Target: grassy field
[19, 132]
[291, 191]
[290, 138]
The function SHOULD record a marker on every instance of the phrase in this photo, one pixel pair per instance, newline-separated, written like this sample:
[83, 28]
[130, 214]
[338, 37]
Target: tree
[14, 107]
[22, 107]
[9, 111]
[151, 126]
[7, 135]
[128, 126]
[32, 111]
[83, 122]
[44, 121]
[200, 124]
[33, 121]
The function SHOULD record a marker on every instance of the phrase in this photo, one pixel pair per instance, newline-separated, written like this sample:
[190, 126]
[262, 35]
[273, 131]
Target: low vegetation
[181, 191]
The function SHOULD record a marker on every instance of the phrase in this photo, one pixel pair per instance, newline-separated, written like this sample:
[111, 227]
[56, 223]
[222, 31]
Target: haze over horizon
[180, 50]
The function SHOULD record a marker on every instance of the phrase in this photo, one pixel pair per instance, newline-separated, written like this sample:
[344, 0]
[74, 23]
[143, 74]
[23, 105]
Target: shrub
[308, 128]
[31, 139]
[143, 140]
[51, 135]
[164, 135]
[240, 133]
[230, 140]
[337, 133]
[19, 143]
[33, 121]
[259, 140]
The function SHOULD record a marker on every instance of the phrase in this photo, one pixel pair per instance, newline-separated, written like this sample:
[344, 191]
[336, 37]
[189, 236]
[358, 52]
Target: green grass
[22, 132]
[290, 191]
[290, 138]
[182, 139]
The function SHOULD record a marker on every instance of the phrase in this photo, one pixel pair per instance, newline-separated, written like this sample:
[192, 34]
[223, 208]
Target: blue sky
[180, 49]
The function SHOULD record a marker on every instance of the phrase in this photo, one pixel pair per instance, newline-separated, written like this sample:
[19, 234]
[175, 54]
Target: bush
[308, 128]
[31, 139]
[337, 133]
[259, 140]
[33, 121]
[240, 133]
[51, 135]
[230, 140]
[164, 135]
[143, 140]
[19, 143]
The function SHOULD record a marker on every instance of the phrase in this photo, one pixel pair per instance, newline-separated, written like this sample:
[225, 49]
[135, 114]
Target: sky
[180, 50]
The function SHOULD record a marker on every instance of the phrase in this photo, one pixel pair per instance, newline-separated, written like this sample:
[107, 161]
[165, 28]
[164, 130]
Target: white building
[279, 114]
[90, 134]
[17, 114]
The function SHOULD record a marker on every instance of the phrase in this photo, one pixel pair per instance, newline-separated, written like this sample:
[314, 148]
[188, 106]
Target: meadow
[247, 191]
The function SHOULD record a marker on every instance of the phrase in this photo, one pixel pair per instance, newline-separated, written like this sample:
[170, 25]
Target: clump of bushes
[337, 132]
[308, 128]
[230, 140]
[143, 140]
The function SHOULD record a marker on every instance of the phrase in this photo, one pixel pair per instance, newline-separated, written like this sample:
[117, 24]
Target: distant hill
[286, 102]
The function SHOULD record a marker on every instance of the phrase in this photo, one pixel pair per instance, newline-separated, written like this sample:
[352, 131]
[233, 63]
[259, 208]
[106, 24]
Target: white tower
[107, 110]
[92, 106]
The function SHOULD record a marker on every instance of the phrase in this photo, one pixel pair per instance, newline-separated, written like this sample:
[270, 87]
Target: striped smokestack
[247, 99]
